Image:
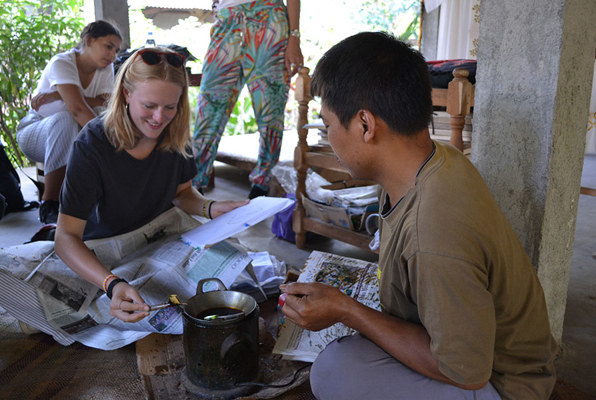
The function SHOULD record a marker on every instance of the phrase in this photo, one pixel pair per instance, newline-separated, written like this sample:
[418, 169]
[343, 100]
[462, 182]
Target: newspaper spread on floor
[353, 277]
[37, 288]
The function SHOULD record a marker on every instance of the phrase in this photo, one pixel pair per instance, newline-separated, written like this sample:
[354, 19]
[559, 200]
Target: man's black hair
[377, 72]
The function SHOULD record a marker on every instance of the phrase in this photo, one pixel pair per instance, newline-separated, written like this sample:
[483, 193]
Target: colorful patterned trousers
[248, 44]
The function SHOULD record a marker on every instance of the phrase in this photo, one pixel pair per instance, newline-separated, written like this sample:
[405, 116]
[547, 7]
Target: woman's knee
[62, 126]
[31, 143]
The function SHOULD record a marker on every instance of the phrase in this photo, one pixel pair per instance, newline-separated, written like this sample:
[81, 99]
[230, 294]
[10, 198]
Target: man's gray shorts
[353, 367]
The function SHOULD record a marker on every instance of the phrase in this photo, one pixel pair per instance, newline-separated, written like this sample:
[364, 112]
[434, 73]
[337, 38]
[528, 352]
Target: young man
[464, 314]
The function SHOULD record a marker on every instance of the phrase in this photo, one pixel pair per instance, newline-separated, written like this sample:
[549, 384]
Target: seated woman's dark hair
[376, 72]
[99, 28]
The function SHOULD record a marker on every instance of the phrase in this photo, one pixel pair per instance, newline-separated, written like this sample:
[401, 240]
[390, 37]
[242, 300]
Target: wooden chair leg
[457, 123]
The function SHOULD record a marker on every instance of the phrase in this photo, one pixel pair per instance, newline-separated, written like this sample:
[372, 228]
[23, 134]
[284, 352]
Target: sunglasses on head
[154, 57]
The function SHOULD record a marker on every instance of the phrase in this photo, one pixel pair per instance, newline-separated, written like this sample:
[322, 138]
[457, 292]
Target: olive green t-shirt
[450, 261]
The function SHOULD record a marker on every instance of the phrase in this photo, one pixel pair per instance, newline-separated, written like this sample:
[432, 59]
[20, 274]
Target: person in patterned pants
[253, 43]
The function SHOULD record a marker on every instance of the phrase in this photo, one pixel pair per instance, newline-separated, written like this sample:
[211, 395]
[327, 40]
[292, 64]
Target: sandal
[47, 232]
[48, 212]
[29, 205]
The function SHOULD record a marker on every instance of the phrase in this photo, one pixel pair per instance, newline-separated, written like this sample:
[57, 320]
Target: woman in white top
[73, 88]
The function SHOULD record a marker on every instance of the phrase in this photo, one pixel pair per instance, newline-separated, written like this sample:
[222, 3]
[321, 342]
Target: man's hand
[314, 306]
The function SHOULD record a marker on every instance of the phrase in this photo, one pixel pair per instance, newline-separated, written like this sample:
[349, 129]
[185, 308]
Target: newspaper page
[354, 277]
[153, 258]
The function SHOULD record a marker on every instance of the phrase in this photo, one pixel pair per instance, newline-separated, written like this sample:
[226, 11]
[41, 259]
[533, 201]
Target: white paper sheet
[236, 221]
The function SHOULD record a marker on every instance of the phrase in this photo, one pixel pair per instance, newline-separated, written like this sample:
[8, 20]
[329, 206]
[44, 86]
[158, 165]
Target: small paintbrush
[173, 301]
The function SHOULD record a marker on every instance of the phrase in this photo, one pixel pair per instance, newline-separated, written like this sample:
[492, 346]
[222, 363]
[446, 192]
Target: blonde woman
[73, 88]
[129, 166]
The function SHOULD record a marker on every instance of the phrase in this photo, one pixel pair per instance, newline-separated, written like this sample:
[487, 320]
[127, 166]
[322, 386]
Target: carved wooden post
[303, 97]
[460, 99]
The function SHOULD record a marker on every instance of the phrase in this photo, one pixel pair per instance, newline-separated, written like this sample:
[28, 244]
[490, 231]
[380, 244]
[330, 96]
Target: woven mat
[36, 367]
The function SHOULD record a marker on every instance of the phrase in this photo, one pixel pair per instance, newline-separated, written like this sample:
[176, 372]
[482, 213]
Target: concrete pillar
[535, 64]
[430, 33]
[115, 11]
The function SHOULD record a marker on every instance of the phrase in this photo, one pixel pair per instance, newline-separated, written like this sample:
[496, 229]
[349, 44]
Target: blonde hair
[121, 130]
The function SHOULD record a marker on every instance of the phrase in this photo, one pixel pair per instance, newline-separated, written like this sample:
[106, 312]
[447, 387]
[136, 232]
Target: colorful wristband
[207, 208]
[106, 279]
[111, 286]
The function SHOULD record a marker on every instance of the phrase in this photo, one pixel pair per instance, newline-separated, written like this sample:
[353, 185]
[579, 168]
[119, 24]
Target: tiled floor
[577, 362]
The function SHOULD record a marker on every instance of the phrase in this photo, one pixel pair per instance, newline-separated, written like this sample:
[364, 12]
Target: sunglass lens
[175, 60]
[150, 57]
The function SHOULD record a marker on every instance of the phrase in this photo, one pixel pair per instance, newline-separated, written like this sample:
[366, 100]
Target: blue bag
[282, 221]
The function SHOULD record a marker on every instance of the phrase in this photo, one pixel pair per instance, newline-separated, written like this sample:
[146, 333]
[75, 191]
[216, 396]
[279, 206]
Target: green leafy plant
[391, 16]
[31, 32]
[242, 119]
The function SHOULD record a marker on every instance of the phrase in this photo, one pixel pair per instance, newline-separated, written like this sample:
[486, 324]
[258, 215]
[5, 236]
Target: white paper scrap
[236, 221]
[260, 259]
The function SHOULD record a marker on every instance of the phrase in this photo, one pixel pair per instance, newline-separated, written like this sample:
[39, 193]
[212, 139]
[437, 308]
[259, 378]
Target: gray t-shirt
[114, 192]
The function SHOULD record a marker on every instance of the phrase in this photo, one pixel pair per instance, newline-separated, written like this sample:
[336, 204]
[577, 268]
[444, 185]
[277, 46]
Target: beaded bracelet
[207, 208]
[111, 286]
[106, 279]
